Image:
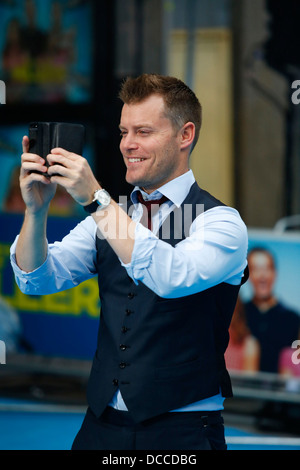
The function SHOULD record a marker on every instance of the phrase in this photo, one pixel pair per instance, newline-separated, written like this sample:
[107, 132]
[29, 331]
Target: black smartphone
[44, 136]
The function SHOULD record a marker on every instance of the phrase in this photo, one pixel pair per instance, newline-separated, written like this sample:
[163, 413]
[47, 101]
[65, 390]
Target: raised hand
[73, 172]
[37, 189]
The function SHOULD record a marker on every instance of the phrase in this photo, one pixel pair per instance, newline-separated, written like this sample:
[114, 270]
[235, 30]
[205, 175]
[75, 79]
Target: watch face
[102, 197]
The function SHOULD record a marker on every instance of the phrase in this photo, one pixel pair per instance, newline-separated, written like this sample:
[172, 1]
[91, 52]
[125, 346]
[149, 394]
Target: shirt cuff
[144, 245]
[25, 279]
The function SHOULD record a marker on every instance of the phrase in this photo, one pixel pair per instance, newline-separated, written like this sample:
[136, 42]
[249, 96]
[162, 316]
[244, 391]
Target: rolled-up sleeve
[215, 251]
[68, 262]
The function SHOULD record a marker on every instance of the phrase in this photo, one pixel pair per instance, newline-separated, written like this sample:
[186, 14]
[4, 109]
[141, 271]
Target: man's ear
[187, 135]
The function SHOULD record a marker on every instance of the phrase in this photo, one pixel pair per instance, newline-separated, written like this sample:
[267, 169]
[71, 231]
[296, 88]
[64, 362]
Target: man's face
[262, 275]
[149, 144]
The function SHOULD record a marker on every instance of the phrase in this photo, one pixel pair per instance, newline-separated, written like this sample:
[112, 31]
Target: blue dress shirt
[214, 251]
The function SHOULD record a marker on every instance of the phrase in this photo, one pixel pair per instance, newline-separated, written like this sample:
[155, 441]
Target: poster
[264, 333]
[46, 51]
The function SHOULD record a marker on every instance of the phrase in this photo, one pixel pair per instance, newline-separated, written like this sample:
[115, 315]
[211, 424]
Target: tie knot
[150, 206]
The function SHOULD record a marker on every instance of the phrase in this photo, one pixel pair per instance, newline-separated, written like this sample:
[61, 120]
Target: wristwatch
[101, 201]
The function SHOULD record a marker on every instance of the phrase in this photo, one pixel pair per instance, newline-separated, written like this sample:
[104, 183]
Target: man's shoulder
[199, 195]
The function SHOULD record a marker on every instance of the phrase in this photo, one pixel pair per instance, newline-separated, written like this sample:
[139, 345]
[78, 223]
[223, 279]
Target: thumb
[25, 144]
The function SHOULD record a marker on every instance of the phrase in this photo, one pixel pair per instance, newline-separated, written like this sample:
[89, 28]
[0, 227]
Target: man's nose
[129, 141]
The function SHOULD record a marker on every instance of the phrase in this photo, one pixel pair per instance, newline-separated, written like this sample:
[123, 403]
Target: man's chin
[133, 180]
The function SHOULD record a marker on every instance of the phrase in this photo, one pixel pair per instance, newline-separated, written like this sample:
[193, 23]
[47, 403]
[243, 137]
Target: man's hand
[73, 173]
[76, 176]
[37, 190]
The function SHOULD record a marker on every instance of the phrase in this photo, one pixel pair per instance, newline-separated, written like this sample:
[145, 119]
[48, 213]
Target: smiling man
[158, 379]
[153, 149]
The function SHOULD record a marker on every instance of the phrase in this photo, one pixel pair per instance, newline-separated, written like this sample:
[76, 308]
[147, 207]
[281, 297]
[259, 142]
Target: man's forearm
[118, 229]
[31, 250]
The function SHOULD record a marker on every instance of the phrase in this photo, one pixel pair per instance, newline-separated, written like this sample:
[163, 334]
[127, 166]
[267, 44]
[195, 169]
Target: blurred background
[64, 60]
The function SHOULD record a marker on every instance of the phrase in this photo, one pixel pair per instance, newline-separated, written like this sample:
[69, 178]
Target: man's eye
[143, 132]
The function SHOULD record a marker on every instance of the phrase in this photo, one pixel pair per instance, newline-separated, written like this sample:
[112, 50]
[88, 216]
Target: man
[158, 378]
[271, 323]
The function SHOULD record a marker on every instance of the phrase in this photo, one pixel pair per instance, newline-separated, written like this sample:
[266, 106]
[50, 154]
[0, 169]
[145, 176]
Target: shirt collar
[175, 190]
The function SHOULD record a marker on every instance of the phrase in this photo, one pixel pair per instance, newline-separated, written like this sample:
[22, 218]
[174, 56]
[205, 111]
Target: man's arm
[37, 192]
[214, 252]
[31, 249]
[69, 262]
[118, 229]
[76, 176]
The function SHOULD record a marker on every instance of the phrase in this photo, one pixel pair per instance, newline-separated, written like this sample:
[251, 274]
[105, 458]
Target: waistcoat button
[123, 347]
[130, 295]
[122, 365]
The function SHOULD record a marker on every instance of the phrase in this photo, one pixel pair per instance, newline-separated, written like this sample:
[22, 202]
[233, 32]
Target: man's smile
[135, 159]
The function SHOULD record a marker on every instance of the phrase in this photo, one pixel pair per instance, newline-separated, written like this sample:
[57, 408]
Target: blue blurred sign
[63, 324]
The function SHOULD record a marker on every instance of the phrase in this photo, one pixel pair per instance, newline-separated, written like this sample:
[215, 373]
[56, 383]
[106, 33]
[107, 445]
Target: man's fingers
[31, 177]
[33, 158]
[67, 159]
[65, 153]
[58, 159]
[31, 166]
[58, 170]
[31, 163]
